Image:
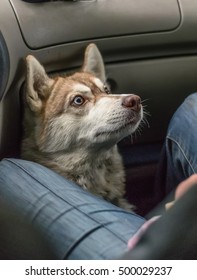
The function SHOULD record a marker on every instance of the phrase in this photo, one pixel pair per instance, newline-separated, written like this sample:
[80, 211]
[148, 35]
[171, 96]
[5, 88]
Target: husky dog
[72, 125]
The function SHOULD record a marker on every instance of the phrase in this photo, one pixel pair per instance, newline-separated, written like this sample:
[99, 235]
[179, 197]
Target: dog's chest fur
[101, 174]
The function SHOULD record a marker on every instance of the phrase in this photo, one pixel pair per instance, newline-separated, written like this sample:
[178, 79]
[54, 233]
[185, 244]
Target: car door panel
[70, 21]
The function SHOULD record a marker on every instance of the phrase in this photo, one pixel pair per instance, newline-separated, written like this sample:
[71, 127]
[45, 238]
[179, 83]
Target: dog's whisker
[139, 131]
[144, 100]
[144, 110]
[131, 138]
[146, 113]
[145, 122]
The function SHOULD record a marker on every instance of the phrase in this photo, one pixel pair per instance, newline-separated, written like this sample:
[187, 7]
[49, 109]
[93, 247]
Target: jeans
[76, 224]
[179, 156]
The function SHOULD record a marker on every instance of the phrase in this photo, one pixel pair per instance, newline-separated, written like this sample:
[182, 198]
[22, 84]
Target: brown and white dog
[72, 125]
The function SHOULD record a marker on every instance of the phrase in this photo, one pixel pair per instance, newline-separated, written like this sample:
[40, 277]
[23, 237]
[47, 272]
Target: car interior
[149, 48]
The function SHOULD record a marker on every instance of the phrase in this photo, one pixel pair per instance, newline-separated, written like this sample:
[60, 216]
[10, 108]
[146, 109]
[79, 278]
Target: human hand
[185, 186]
[182, 188]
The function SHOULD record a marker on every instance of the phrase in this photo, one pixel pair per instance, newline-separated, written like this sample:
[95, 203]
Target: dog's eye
[78, 100]
[106, 89]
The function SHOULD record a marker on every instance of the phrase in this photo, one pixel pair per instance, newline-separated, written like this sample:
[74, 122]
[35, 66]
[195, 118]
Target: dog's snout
[132, 101]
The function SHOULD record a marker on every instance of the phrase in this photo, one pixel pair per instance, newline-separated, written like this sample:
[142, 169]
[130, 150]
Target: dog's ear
[37, 84]
[93, 62]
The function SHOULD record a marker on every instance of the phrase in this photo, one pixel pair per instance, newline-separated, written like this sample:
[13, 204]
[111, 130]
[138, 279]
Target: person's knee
[184, 119]
[189, 105]
[191, 98]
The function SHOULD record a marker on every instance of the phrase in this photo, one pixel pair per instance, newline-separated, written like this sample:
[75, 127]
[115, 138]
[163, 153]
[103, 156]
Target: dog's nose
[132, 101]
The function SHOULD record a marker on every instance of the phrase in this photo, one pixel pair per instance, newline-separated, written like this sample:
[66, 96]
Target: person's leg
[179, 157]
[76, 224]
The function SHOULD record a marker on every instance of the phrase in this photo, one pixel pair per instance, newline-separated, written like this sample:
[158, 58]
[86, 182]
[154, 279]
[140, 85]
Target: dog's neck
[89, 170]
[100, 171]
[80, 159]
[97, 172]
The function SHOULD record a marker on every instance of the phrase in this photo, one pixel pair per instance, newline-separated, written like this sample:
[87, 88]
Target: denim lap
[77, 224]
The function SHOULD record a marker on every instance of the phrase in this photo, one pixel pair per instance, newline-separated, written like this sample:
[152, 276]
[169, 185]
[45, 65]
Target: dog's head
[79, 110]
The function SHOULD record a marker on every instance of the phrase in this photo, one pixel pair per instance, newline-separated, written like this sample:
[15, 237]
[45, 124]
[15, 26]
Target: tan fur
[78, 141]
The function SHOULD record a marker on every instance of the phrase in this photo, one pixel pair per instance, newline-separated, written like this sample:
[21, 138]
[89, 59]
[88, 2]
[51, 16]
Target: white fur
[81, 88]
[99, 84]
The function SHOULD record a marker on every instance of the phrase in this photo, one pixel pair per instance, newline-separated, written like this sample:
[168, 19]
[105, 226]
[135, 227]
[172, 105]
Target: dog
[72, 125]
